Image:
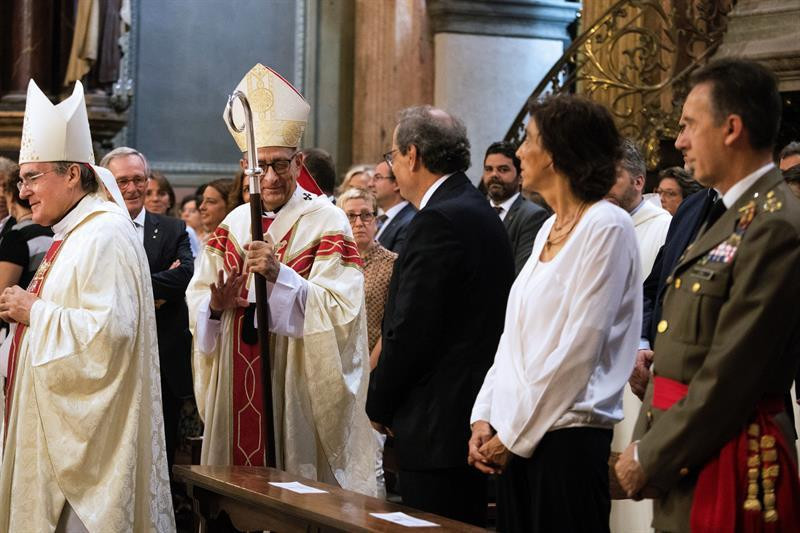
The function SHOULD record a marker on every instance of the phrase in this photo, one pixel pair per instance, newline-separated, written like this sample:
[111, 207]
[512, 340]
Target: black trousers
[562, 487]
[172, 415]
[457, 493]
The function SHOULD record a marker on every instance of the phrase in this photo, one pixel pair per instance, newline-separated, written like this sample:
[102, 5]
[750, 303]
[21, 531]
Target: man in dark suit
[682, 230]
[444, 317]
[521, 217]
[725, 350]
[397, 211]
[171, 267]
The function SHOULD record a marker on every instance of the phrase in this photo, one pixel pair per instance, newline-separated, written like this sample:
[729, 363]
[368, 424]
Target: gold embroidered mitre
[280, 113]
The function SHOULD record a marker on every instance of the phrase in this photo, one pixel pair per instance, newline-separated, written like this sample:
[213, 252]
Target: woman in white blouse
[544, 416]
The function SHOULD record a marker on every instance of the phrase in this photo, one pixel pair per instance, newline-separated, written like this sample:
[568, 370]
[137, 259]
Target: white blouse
[571, 331]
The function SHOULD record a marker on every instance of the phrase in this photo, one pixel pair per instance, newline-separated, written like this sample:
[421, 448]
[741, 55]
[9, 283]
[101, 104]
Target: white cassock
[318, 347]
[85, 429]
[651, 223]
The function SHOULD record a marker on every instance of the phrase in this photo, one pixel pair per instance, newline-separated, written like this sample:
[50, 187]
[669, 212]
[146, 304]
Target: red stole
[35, 287]
[751, 485]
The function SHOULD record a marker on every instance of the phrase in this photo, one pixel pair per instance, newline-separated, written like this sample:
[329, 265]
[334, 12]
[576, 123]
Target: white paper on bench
[298, 487]
[404, 520]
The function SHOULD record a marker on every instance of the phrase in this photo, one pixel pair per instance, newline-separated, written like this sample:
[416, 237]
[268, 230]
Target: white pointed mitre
[61, 133]
[55, 132]
[280, 113]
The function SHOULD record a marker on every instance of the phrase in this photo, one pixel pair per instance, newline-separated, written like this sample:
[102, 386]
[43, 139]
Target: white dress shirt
[432, 189]
[138, 221]
[390, 214]
[571, 330]
[741, 186]
[504, 207]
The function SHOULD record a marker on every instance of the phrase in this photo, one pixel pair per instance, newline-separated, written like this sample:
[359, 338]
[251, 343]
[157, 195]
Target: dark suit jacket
[730, 330]
[682, 230]
[165, 240]
[394, 236]
[443, 320]
[522, 222]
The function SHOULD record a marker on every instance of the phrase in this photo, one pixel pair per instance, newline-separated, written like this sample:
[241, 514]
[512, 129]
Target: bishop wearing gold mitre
[84, 434]
[317, 316]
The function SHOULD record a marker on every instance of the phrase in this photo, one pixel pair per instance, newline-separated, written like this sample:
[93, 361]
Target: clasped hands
[226, 293]
[486, 452]
[629, 473]
[15, 305]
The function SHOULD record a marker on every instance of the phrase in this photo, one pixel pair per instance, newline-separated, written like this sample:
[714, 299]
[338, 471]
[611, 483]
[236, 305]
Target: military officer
[712, 438]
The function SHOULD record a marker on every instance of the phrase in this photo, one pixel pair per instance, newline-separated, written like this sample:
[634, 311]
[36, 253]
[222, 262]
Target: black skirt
[562, 487]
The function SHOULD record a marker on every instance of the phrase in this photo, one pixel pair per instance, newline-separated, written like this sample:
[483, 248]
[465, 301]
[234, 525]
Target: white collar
[85, 206]
[139, 219]
[506, 205]
[741, 186]
[432, 189]
[396, 208]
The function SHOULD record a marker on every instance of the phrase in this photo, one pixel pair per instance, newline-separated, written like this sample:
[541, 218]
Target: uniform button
[678, 283]
[696, 287]
[684, 472]
[662, 326]
[649, 415]
[669, 280]
[770, 194]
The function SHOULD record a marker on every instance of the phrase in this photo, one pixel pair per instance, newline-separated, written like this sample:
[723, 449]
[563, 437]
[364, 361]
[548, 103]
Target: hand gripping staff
[254, 172]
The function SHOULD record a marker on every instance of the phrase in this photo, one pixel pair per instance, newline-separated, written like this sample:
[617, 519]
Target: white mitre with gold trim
[280, 113]
[61, 133]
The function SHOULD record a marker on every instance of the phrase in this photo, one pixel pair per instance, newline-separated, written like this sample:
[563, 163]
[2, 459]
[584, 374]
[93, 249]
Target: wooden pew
[254, 505]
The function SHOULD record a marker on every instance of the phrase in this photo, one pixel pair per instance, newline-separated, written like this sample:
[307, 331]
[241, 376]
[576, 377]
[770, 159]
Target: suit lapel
[726, 224]
[152, 239]
[512, 212]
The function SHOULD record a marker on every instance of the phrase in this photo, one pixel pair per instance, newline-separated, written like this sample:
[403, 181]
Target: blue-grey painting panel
[191, 54]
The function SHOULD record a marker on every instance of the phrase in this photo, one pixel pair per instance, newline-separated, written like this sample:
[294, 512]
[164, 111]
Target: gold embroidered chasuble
[319, 381]
[85, 423]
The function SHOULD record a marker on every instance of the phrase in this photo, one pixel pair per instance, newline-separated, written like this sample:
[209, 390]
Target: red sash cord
[751, 485]
[35, 288]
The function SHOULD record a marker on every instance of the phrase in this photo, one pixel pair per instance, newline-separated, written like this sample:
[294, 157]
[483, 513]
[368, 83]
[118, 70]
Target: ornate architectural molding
[534, 19]
[766, 31]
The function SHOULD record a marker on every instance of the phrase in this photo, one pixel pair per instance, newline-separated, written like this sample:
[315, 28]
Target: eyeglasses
[389, 156]
[125, 182]
[377, 176]
[667, 193]
[280, 166]
[366, 218]
[29, 181]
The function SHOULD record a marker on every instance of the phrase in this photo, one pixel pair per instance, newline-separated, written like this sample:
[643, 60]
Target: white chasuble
[84, 418]
[319, 380]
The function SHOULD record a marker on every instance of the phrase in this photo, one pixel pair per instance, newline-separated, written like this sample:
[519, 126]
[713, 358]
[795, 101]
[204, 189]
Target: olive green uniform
[730, 331]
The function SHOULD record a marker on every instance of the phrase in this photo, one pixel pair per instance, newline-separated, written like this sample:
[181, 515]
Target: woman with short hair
[543, 418]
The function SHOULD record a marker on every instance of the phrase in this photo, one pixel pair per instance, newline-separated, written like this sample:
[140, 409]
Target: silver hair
[632, 159]
[123, 151]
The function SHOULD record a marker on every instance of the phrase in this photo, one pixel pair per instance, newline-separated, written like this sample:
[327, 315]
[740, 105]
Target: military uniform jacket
[729, 330]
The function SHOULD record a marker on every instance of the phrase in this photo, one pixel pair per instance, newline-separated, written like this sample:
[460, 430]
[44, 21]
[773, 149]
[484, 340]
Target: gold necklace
[554, 238]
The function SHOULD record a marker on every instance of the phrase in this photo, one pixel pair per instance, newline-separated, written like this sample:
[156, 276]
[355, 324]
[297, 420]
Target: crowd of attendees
[565, 239]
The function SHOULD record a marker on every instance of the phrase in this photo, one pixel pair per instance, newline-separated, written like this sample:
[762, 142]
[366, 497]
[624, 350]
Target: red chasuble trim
[35, 288]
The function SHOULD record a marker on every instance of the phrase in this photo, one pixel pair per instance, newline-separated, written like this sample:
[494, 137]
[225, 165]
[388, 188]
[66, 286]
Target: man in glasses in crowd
[317, 316]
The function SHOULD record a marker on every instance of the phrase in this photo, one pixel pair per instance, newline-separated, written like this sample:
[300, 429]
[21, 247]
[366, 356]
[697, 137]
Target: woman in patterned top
[361, 209]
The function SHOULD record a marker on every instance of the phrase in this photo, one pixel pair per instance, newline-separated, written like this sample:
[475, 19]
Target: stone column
[30, 45]
[393, 70]
[490, 55]
[766, 31]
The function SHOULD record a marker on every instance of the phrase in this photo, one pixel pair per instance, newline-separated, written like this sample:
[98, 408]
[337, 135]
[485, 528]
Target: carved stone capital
[534, 19]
